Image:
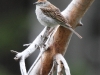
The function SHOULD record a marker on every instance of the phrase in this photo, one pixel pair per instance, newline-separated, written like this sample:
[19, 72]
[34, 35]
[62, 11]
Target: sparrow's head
[42, 3]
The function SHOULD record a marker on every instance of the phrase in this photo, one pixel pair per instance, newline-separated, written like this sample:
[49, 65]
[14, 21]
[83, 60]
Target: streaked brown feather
[55, 13]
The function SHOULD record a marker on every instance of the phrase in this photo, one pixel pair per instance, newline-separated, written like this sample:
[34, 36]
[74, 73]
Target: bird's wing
[55, 14]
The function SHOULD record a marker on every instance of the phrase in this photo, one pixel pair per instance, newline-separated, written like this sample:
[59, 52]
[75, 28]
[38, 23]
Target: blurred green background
[18, 26]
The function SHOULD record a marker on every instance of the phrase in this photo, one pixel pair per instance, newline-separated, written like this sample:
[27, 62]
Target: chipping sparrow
[49, 15]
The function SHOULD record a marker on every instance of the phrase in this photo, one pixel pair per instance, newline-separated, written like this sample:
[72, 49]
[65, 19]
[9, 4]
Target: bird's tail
[75, 33]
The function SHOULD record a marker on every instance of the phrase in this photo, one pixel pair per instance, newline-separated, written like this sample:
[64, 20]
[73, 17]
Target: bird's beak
[35, 3]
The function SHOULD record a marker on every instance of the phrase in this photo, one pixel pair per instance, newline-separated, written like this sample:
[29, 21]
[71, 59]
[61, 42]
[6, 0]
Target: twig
[34, 45]
[52, 69]
[39, 56]
[27, 44]
[43, 48]
[61, 60]
[59, 68]
[23, 67]
[41, 38]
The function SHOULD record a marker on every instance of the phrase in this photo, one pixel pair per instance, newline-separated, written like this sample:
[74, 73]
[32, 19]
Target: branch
[73, 13]
[56, 42]
[21, 62]
[40, 40]
[62, 63]
[59, 68]
[53, 68]
[23, 67]
[43, 49]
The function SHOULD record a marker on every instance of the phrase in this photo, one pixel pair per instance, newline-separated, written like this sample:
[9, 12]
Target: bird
[49, 15]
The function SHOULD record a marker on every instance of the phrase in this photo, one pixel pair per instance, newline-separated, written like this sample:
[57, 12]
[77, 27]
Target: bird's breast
[43, 19]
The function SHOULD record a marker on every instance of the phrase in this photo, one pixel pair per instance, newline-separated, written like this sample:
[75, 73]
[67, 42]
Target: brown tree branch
[74, 12]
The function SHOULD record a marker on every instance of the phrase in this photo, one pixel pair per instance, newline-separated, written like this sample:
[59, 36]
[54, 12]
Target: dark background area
[18, 26]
